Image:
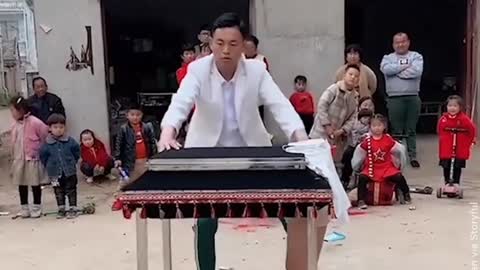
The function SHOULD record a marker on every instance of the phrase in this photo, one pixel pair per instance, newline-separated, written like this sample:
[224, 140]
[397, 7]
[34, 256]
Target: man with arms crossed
[403, 73]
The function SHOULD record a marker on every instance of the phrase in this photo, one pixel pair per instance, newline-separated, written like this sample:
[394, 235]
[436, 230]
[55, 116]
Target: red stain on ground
[249, 225]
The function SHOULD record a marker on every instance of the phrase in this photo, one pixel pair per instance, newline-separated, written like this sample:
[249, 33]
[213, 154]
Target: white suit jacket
[254, 87]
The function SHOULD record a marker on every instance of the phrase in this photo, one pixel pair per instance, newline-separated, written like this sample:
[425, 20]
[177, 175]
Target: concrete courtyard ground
[434, 236]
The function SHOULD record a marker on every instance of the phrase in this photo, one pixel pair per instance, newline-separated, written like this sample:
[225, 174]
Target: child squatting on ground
[380, 158]
[60, 155]
[453, 119]
[28, 135]
[96, 162]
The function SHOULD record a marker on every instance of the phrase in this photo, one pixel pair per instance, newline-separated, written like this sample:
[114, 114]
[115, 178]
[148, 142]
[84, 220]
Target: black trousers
[37, 195]
[457, 173]
[398, 179]
[87, 170]
[458, 164]
[66, 189]
[347, 165]
[307, 120]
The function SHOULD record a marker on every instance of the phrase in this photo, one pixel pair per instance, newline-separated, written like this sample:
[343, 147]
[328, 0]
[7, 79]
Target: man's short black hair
[134, 106]
[253, 39]
[229, 20]
[352, 66]
[354, 48]
[187, 47]
[38, 78]
[56, 118]
[300, 78]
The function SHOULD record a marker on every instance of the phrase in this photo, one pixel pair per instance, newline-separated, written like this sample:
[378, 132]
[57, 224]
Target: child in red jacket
[379, 158]
[454, 118]
[188, 56]
[302, 101]
[95, 159]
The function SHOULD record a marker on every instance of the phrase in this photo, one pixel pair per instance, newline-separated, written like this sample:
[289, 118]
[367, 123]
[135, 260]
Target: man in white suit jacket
[250, 87]
[226, 90]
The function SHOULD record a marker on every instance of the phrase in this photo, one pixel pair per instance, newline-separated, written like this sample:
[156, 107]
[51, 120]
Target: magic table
[252, 182]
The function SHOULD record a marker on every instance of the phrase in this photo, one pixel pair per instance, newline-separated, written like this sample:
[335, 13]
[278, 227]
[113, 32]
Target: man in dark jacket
[42, 103]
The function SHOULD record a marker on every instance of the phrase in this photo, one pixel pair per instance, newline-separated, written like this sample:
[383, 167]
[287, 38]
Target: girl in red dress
[95, 159]
[454, 118]
[379, 158]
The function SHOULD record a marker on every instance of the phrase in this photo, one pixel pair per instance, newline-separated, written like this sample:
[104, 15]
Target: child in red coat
[302, 101]
[454, 118]
[95, 159]
[188, 56]
[379, 158]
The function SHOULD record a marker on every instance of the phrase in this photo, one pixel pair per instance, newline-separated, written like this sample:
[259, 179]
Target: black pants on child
[398, 179]
[307, 120]
[458, 164]
[68, 189]
[457, 172]
[347, 169]
[37, 195]
[88, 170]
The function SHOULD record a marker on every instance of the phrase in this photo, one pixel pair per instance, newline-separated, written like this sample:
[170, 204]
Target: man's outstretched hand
[168, 140]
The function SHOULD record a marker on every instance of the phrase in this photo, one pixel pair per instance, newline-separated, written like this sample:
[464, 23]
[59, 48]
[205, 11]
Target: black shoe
[72, 213]
[414, 163]
[61, 213]
[362, 205]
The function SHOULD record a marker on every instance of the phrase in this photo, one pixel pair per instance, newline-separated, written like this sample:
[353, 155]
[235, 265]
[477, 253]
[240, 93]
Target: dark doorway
[143, 41]
[437, 30]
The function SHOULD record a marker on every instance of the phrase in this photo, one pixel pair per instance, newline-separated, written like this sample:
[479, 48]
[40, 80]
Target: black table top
[228, 180]
[227, 152]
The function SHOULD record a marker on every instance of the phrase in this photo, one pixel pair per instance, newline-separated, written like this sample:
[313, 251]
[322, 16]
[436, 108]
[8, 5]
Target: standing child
[60, 155]
[380, 158]
[28, 135]
[337, 111]
[455, 118]
[302, 101]
[134, 144]
[95, 159]
[188, 55]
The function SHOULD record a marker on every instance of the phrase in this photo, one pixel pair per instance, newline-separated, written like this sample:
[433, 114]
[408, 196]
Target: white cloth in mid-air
[319, 159]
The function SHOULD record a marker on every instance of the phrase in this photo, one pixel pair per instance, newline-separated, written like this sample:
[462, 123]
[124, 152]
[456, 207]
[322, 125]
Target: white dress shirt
[230, 135]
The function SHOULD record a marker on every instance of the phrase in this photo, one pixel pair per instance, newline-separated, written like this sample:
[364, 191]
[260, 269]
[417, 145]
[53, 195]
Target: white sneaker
[25, 211]
[89, 180]
[36, 211]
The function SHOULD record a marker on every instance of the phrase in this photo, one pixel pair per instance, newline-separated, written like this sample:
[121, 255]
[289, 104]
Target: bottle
[123, 174]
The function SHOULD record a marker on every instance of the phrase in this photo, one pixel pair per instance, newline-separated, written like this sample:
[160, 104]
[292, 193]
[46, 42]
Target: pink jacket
[35, 132]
